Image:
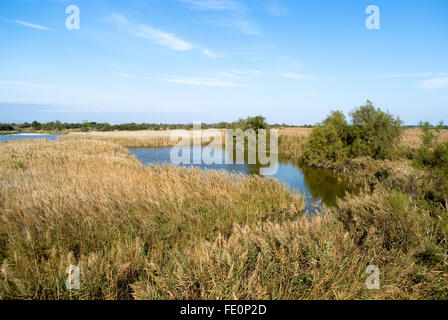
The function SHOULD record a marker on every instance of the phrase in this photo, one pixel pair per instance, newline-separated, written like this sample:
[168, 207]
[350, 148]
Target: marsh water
[318, 185]
[24, 136]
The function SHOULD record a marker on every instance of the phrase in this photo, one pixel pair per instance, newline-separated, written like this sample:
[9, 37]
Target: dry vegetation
[291, 138]
[130, 139]
[92, 204]
[171, 233]
[411, 137]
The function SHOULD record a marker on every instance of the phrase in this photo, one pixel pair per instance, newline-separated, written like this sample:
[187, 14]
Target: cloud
[297, 76]
[123, 75]
[195, 81]
[277, 10]
[213, 5]
[144, 31]
[252, 72]
[238, 18]
[434, 83]
[210, 54]
[72, 99]
[411, 75]
[237, 74]
[31, 25]
[243, 25]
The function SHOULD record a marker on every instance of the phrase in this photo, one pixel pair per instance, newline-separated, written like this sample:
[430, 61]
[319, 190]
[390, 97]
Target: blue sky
[218, 60]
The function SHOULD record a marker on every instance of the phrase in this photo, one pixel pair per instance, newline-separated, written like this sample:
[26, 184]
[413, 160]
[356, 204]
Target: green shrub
[327, 142]
[376, 132]
[6, 127]
[433, 156]
[372, 133]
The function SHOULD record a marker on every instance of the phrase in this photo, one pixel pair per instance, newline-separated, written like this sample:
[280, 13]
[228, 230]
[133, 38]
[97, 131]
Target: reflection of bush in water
[324, 184]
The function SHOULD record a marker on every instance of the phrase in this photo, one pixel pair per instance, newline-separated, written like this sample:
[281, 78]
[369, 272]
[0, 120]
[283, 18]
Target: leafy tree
[372, 133]
[256, 123]
[327, 142]
[6, 127]
[376, 132]
[36, 125]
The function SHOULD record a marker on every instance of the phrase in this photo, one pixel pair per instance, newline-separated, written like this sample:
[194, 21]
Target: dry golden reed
[164, 232]
[92, 204]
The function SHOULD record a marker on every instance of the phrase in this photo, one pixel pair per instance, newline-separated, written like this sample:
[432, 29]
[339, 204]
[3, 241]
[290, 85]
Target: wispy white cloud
[210, 54]
[434, 83]
[198, 81]
[411, 75]
[213, 5]
[251, 72]
[238, 14]
[30, 25]
[277, 9]
[296, 76]
[26, 84]
[58, 98]
[228, 75]
[144, 31]
[238, 74]
[243, 25]
[123, 75]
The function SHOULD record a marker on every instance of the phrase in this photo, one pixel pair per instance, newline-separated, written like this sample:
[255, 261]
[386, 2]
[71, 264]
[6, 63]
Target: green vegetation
[372, 133]
[164, 232]
[86, 126]
[255, 123]
[432, 156]
[6, 127]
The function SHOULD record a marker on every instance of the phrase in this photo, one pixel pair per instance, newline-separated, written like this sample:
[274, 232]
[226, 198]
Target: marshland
[157, 231]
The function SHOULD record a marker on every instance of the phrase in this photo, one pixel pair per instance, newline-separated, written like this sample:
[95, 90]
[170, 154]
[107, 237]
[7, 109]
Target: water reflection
[24, 136]
[318, 185]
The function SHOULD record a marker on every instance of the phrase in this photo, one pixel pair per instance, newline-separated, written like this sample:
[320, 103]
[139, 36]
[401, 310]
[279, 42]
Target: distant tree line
[85, 126]
[6, 127]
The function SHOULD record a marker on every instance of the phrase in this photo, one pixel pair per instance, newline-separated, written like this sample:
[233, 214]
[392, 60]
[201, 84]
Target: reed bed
[291, 146]
[129, 139]
[90, 203]
[134, 139]
[412, 138]
[164, 232]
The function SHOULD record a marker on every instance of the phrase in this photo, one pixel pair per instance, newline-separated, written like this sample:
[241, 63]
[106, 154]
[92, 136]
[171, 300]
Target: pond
[318, 185]
[23, 136]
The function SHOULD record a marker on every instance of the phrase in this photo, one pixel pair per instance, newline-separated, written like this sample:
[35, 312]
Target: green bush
[6, 127]
[433, 156]
[376, 132]
[372, 133]
[327, 142]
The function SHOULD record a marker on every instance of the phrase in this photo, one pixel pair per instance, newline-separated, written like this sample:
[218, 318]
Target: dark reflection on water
[318, 185]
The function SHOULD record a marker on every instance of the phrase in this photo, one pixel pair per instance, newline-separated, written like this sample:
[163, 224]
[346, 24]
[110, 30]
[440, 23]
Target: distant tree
[36, 125]
[6, 127]
[256, 123]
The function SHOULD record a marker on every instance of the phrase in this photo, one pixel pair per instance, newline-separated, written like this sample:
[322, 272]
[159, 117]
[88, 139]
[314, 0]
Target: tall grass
[164, 232]
[91, 204]
[129, 141]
